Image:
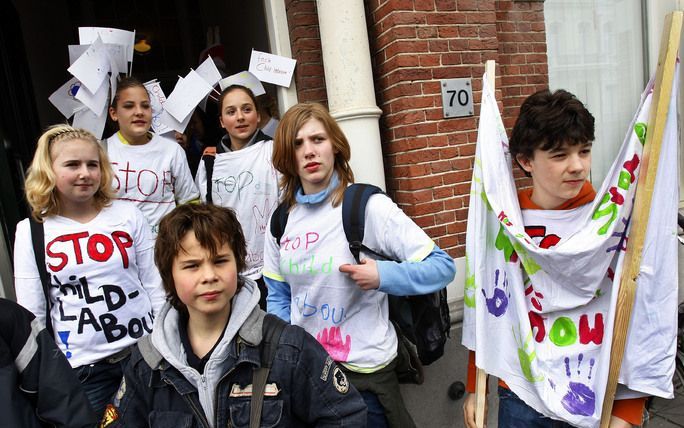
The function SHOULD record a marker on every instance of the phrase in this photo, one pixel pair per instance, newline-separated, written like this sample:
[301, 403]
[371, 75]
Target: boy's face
[557, 175]
[205, 284]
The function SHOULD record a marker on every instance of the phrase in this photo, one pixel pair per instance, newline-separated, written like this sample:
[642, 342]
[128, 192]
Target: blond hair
[284, 159]
[40, 181]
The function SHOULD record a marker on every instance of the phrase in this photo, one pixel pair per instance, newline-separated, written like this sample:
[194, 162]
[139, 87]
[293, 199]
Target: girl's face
[133, 113]
[239, 117]
[315, 156]
[76, 164]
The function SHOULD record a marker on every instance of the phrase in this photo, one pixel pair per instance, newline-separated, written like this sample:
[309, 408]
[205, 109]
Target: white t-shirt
[246, 181]
[352, 324]
[105, 288]
[154, 176]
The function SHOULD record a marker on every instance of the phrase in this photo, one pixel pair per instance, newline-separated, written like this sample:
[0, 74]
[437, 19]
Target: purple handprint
[579, 399]
[498, 303]
[332, 342]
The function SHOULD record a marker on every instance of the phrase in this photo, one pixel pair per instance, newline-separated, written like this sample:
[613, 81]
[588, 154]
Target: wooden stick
[481, 379]
[667, 58]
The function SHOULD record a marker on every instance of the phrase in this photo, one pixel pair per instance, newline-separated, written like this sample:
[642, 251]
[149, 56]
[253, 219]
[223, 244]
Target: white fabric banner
[541, 286]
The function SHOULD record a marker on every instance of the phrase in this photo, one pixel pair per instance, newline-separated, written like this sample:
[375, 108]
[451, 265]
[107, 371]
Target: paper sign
[272, 68]
[90, 121]
[209, 72]
[186, 95]
[171, 124]
[246, 79]
[95, 102]
[117, 54]
[87, 35]
[157, 100]
[63, 98]
[92, 67]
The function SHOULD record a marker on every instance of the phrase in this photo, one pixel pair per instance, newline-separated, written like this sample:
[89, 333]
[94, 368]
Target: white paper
[171, 124]
[157, 100]
[90, 121]
[115, 36]
[186, 95]
[117, 54]
[63, 98]
[246, 79]
[272, 68]
[92, 66]
[95, 102]
[209, 72]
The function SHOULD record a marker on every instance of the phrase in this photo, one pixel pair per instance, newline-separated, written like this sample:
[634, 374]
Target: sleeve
[201, 180]
[144, 258]
[185, 188]
[322, 396]
[279, 298]
[432, 273]
[131, 405]
[425, 268]
[27, 283]
[44, 372]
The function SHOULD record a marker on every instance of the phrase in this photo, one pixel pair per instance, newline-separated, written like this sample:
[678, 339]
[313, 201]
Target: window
[596, 51]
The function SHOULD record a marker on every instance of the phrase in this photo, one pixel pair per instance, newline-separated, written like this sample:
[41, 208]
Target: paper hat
[246, 79]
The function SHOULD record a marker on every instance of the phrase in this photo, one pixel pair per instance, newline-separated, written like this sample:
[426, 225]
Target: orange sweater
[630, 410]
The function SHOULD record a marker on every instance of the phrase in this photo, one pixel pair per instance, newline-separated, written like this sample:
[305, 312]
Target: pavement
[431, 407]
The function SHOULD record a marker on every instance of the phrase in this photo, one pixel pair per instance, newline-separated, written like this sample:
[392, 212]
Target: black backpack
[423, 320]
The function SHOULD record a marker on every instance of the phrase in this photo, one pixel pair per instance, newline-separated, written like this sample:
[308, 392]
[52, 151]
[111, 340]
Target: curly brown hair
[547, 120]
[213, 227]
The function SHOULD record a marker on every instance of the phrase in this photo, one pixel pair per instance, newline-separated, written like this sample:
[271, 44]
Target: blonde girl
[312, 277]
[96, 260]
[151, 171]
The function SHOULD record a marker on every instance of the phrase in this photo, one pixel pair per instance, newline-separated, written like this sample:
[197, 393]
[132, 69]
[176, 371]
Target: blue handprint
[498, 303]
[580, 399]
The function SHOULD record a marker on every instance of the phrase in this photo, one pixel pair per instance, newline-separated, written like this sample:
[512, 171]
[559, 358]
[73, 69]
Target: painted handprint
[580, 399]
[498, 303]
[331, 339]
[470, 289]
[526, 355]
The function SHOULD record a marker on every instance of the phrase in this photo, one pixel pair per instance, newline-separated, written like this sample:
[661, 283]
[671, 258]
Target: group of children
[137, 253]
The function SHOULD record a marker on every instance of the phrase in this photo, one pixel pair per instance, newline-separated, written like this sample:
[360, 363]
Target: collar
[585, 195]
[258, 136]
[125, 141]
[319, 197]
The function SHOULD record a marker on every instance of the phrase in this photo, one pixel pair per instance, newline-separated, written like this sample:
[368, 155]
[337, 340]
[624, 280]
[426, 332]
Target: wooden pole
[481, 378]
[669, 46]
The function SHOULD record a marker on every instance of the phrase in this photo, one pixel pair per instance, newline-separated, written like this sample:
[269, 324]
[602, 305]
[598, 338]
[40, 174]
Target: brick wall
[305, 41]
[414, 44]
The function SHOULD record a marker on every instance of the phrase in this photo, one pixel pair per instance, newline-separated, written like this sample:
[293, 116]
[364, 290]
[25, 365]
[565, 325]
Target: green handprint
[525, 357]
[640, 129]
[470, 289]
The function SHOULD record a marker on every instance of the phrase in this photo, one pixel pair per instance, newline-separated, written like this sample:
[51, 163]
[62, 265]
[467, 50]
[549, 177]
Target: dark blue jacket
[305, 387]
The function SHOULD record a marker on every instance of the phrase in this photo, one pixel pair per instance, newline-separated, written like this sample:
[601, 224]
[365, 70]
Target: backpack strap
[279, 221]
[271, 329]
[149, 353]
[354, 204]
[208, 158]
[38, 239]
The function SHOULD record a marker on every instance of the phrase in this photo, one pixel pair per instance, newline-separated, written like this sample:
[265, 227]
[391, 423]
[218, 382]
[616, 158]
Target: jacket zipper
[199, 414]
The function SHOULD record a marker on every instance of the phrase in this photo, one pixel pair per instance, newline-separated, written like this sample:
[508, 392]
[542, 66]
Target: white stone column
[349, 84]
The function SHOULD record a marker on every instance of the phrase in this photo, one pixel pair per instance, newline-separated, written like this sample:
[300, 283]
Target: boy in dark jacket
[37, 385]
[196, 369]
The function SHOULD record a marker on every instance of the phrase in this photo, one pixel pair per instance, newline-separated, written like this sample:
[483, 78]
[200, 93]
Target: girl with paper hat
[151, 171]
[238, 174]
[83, 263]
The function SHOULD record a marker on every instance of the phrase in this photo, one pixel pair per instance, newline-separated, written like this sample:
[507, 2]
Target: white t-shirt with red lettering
[105, 288]
[155, 176]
